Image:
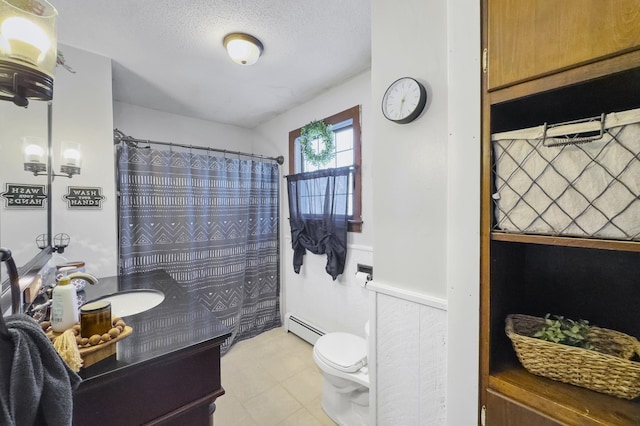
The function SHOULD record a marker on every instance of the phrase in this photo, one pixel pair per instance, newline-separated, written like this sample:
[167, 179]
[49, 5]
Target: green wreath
[311, 132]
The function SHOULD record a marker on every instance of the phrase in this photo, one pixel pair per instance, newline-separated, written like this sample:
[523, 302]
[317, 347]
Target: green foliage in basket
[565, 331]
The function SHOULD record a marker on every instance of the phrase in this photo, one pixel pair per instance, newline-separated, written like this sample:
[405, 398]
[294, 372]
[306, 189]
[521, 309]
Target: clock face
[404, 100]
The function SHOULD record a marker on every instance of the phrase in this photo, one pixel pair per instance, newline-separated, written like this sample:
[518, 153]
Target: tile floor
[271, 380]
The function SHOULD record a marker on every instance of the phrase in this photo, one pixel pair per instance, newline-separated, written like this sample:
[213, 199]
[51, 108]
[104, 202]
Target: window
[346, 126]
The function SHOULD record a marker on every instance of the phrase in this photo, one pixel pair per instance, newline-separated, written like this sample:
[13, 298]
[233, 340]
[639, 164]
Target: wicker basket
[607, 370]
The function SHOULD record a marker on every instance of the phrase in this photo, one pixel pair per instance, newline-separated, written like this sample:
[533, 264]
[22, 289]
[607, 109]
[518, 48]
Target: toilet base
[346, 409]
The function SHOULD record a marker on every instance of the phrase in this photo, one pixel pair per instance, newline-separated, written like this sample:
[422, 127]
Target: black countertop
[177, 324]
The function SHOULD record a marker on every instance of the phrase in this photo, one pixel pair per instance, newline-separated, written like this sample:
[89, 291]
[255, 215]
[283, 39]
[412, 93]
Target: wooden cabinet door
[527, 39]
[502, 411]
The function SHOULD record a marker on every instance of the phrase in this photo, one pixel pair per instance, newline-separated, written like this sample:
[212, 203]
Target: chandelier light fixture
[244, 49]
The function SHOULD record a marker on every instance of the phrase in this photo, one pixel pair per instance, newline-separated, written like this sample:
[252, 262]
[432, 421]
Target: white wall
[340, 305]
[410, 176]
[463, 211]
[145, 123]
[82, 112]
[426, 234]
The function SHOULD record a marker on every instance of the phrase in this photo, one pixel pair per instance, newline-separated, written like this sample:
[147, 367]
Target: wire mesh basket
[579, 178]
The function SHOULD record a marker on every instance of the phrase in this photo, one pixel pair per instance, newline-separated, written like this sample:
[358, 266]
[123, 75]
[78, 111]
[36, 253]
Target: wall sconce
[244, 49]
[35, 157]
[71, 158]
[35, 152]
[28, 50]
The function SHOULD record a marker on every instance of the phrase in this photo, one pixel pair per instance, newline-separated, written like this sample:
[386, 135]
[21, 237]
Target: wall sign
[82, 197]
[24, 196]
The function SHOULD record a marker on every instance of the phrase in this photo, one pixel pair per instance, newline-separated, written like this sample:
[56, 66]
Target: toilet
[342, 359]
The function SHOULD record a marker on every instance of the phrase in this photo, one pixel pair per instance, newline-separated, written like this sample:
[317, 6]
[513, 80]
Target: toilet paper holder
[366, 269]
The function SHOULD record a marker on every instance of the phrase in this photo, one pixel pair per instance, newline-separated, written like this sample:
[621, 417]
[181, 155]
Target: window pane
[344, 158]
[308, 167]
[314, 205]
[344, 139]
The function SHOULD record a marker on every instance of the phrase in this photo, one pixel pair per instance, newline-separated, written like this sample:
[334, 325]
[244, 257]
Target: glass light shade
[28, 50]
[243, 48]
[34, 151]
[70, 158]
[28, 34]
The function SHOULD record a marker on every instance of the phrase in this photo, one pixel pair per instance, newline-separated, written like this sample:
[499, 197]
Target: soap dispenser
[64, 308]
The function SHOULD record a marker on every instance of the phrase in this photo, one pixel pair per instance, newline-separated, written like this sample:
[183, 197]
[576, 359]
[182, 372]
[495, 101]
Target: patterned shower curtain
[212, 223]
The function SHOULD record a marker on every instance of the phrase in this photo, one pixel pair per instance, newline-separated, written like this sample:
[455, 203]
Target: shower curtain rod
[121, 137]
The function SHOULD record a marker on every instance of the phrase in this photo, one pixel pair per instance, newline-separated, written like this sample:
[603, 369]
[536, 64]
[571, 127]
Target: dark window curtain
[318, 203]
[212, 224]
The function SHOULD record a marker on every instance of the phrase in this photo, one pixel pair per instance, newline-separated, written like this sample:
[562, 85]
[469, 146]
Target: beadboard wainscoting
[408, 358]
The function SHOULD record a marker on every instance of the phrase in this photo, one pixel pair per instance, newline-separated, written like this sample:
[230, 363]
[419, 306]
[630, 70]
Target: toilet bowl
[342, 359]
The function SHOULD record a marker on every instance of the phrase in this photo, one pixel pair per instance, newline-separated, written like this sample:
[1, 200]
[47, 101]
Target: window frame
[353, 113]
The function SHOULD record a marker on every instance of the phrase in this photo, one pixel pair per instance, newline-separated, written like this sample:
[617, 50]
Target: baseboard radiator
[302, 328]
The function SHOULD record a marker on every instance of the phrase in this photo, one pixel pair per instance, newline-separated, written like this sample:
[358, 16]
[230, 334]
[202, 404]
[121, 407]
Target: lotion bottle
[64, 308]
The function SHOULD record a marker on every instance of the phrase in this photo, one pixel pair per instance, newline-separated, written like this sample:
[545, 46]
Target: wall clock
[404, 100]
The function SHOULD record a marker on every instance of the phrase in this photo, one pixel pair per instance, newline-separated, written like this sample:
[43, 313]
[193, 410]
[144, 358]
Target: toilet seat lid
[342, 351]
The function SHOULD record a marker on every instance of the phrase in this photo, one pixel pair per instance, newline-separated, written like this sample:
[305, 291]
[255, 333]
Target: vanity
[167, 372]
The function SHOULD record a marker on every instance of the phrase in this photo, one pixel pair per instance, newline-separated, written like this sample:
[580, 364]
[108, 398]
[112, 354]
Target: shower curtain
[212, 223]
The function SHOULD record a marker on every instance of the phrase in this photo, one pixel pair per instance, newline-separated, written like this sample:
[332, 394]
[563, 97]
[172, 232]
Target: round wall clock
[404, 100]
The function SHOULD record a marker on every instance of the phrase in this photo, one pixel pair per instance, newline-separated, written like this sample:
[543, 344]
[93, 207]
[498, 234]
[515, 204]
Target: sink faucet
[17, 306]
[14, 280]
[91, 279]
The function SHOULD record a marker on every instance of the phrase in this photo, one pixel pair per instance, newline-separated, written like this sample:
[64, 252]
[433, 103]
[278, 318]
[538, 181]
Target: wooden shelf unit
[564, 403]
[591, 279]
[593, 243]
[588, 278]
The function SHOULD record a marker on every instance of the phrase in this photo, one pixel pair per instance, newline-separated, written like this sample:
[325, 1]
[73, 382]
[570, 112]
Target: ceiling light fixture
[28, 50]
[244, 49]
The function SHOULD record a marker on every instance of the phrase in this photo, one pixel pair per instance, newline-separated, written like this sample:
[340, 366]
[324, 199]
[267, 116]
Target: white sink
[131, 302]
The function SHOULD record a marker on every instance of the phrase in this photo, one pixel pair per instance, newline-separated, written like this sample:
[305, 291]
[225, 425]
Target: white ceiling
[168, 54]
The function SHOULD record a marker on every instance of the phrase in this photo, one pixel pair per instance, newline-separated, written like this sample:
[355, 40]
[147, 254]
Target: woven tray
[89, 353]
[608, 370]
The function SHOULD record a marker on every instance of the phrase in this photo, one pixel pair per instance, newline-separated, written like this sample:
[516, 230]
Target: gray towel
[36, 384]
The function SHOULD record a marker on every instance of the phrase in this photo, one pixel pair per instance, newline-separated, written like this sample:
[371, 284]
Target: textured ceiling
[168, 55]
